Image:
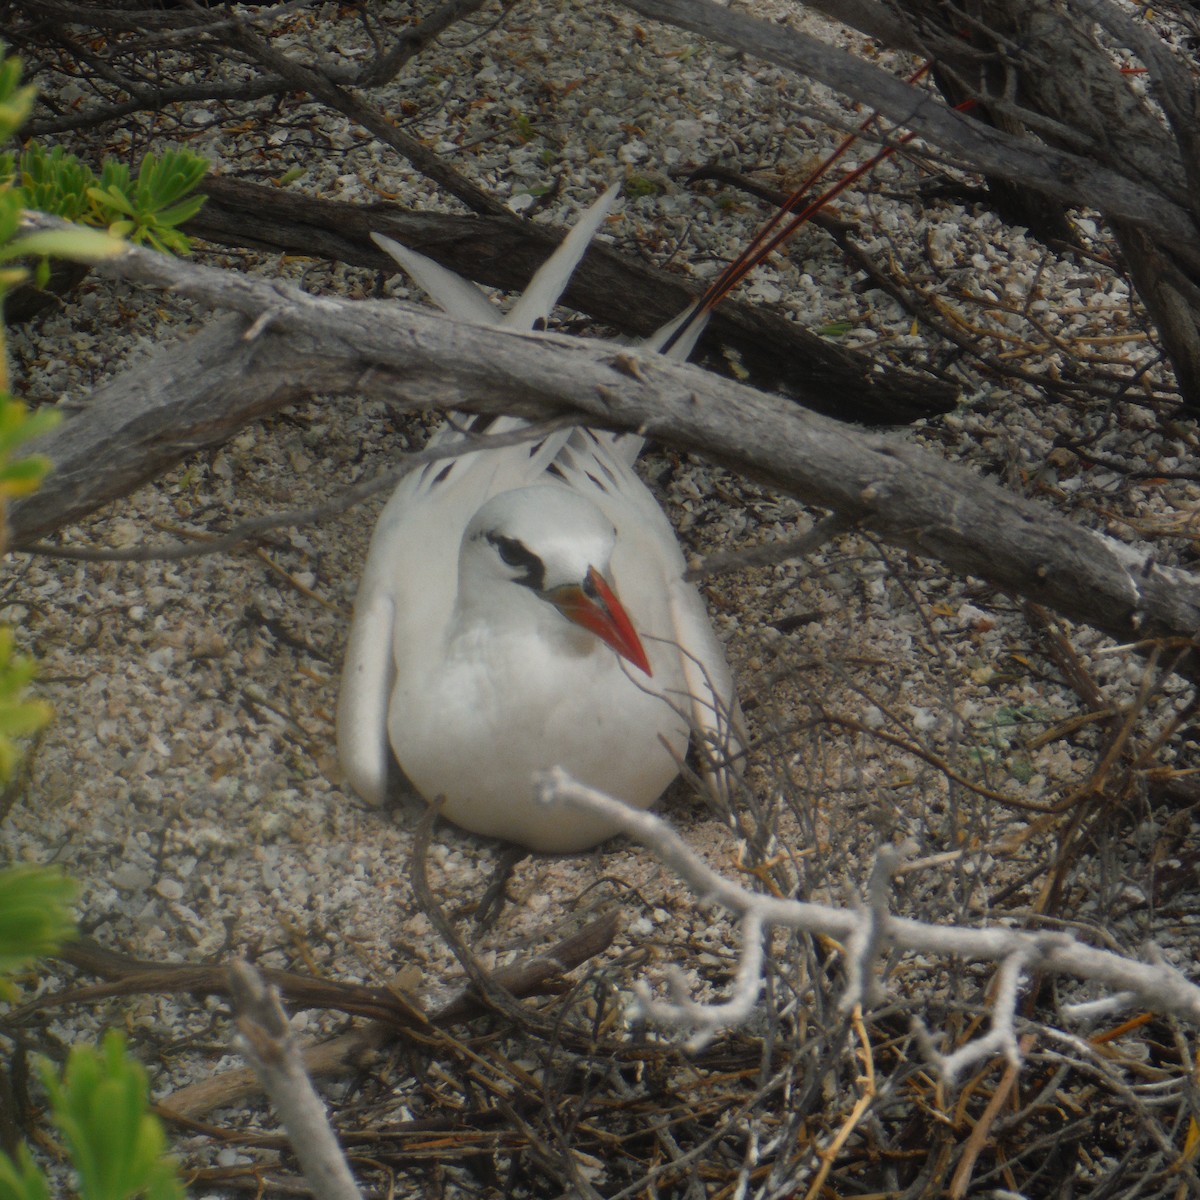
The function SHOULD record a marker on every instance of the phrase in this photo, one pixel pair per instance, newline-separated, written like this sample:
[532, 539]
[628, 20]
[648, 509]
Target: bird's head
[557, 544]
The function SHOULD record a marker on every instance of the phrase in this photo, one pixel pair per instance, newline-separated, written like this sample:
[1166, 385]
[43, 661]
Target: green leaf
[22, 1179]
[144, 211]
[836, 329]
[76, 243]
[185, 210]
[19, 720]
[35, 914]
[18, 424]
[54, 181]
[16, 102]
[19, 715]
[111, 199]
[114, 176]
[22, 478]
[11, 205]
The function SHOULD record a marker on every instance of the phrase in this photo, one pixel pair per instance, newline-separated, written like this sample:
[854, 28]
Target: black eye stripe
[516, 554]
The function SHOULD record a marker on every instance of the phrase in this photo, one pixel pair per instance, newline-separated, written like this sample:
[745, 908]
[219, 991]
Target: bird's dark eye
[517, 555]
[510, 550]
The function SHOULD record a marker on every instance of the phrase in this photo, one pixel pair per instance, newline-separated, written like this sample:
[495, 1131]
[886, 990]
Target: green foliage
[49, 180]
[72, 241]
[146, 210]
[53, 181]
[19, 477]
[19, 715]
[638, 186]
[35, 914]
[22, 1179]
[16, 102]
[100, 1107]
[524, 128]
[149, 209]
[836, 329]
[100, 1103]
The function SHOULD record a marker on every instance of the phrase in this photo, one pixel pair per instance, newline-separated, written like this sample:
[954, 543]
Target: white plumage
[491, 635]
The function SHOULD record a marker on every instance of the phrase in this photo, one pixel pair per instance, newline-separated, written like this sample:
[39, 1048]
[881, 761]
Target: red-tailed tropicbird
[488, 640]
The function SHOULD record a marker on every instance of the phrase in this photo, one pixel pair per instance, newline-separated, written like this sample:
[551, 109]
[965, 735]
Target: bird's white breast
[506, 704]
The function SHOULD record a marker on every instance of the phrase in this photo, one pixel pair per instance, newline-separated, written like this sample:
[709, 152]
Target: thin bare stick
[268, 1044]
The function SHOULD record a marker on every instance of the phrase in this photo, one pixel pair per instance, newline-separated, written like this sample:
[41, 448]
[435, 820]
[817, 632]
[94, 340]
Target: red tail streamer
[765, 241]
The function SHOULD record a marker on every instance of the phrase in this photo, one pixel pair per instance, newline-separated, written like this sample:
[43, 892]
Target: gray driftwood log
[284, 345]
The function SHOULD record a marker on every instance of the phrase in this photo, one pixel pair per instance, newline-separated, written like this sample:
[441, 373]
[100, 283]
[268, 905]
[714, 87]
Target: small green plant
[21, 1179]
[16, 99]
[20, 715]
[52, 172]
[20, 476]
[524, 128]
[836, 329]
[148, 209]
[100, 1108]
[117, 1146]
[53, 181]
[56, 178]
[638, 186]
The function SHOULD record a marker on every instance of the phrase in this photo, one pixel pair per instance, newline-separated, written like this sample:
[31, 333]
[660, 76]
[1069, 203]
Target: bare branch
[1155, 983]
[301, 76]
[622, 292]
[268, 1043]
[256, 526]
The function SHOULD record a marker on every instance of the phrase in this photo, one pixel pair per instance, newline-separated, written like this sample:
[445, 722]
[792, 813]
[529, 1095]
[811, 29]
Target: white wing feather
[454, 295]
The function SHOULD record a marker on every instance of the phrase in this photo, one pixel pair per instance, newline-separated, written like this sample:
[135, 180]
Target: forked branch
[869, 932]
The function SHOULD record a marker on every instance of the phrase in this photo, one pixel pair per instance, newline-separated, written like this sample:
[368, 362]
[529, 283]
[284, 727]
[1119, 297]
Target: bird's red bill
[604, 616]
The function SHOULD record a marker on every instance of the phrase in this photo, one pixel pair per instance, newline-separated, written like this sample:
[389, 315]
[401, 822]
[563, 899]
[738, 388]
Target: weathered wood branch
[1086, 105]
[503, 252]
[302, 77]
[294, 344]
[196, 27]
